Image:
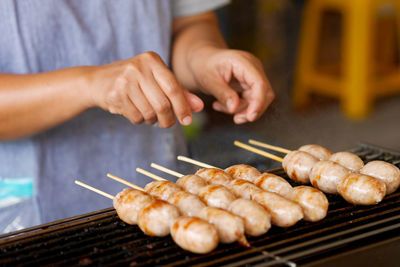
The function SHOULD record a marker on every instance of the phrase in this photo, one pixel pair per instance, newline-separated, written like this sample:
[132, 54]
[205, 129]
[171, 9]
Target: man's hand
[215, 69]
[143, 89]
[140, 88]
[201, 60]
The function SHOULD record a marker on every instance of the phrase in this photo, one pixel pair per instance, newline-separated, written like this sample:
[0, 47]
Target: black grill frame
[100, 238]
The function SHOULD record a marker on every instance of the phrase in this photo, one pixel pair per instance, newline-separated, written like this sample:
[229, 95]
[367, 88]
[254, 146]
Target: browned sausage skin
[317, 151]
[325, 175]
[360, 189]
[257, 221]
[161, 189]
[215, 176]
[230, 227]
[157, 217]
[194, 234]
[216, 196]
[385, 171]
[273, 183]
[129, 202]
[187, 203]
[313, 202]
[348, 160]
[191, 183]
[243, 171]
[243, 188]
[298, 164]
[284, 213]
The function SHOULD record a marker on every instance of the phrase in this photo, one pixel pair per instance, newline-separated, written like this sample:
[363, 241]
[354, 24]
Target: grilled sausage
[313, 202]
[191, 183]
[129, 202]
[243, 188]
[361, 189]
[298, 164]
[349, 160]
[157, 217]
[215, 176]
[194, 234]
[216, 196]
[385, 171]
[317, 151]
[161, 189]
[273, 183]
[257, 221]
[243, 171]
[187, 203]
[284, 213]
[325, 175]
[230, 228]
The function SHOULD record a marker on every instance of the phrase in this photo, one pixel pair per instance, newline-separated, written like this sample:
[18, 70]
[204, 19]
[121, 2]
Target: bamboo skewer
[195, 162]
[257, 151]
[151, 175]
[264, 145]
[163, 169]
[109, 175]
[98, 191]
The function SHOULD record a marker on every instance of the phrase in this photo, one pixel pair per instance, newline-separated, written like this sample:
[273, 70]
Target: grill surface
[100, 238]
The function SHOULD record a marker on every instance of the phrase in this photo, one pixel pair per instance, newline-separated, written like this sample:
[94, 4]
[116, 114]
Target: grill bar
[101, 238]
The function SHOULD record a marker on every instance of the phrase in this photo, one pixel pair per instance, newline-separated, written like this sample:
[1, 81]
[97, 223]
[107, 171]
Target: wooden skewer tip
[166, 170]
[116, 178]
[98, 191]
[151, 175]
[195, 162]
[257, 151]
[265, 145]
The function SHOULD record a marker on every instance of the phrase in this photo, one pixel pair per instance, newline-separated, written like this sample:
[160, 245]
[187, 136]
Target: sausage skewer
[284, 213]
[346, 159]
[229, 227]
[317, 151]
[184, 229]
[312, 201]
[267, 182]
[374, 189]
[257, 220]
[133, 206]
[98, 191]
[187, 203]
[213, 195]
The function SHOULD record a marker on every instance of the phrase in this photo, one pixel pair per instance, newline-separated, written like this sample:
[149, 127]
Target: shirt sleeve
[182, 8]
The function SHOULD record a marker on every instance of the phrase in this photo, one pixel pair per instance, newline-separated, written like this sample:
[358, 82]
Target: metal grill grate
[100, 238]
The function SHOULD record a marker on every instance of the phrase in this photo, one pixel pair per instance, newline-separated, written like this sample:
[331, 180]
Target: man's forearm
[32, 103]
[192, 34]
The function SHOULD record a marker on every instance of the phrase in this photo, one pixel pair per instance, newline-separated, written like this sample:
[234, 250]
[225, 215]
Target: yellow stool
[357, 86]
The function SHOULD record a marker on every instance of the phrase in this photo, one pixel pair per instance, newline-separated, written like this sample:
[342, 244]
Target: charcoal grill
[349, 236]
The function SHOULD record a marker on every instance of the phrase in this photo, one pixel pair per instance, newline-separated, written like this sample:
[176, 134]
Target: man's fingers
[139, 100]
[132, 113]
[174, 93]
[159, 102]
[222, 108]
[224, 94]
[259, 99]
[195, 103]
[257, 89]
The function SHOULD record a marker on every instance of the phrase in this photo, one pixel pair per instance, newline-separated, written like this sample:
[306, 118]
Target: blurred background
[334, 66]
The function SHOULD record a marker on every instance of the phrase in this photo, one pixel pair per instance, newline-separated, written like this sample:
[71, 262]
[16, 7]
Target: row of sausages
[342, 173]
[205, 198]
[159, 218]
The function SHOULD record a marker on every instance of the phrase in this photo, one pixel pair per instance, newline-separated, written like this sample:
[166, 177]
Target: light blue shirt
[44, 35]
